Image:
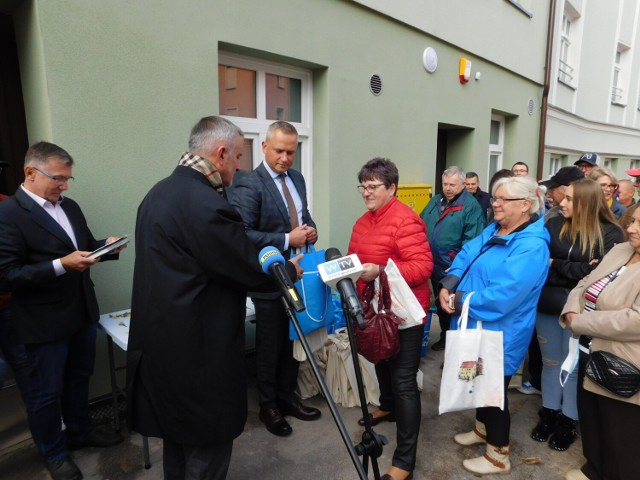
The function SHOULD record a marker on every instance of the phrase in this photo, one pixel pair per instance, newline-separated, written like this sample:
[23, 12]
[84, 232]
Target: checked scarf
[204, 167]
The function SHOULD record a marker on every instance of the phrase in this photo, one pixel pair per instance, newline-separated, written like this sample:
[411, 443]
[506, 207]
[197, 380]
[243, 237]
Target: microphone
[272, 263]
[340, 272]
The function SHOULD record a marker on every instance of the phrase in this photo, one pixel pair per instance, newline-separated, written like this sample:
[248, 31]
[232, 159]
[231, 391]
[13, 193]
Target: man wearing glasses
[452, 218]
[587, 162]
[520, 169]
[44, 246]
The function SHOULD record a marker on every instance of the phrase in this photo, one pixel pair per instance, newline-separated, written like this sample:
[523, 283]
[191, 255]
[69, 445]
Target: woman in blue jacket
[506, 267]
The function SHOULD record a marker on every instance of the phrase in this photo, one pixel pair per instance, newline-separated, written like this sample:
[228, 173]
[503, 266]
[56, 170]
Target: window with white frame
[555, 163]
[253, 94]
[633, 164]
[608, 162]
[496, 144]
[620, 69]
[566, 72]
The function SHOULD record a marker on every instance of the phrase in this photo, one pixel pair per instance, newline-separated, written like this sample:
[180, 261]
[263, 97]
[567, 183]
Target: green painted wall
[119, 84]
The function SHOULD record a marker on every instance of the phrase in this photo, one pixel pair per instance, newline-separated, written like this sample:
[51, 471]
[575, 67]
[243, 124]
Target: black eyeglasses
[55, 178]
[369, 188]
[500, 201]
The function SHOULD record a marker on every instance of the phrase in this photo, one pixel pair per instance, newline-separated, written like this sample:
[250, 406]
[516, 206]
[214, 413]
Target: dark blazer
[45, 307]
[263, 210]
[186, 371]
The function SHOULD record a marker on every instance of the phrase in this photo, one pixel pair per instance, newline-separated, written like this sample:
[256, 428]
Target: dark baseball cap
[563, 177]
[589, 157]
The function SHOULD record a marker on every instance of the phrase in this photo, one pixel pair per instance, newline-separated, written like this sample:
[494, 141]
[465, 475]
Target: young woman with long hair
[580, 237]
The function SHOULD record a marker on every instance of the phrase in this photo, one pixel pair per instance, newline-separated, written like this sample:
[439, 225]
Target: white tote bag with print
[473, 373]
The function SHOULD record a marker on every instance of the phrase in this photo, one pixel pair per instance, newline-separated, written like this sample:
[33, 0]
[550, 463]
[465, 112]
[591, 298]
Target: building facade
[594, 95]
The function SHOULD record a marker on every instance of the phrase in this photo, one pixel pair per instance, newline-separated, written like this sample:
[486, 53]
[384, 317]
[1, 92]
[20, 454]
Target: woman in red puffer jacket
[390, 229]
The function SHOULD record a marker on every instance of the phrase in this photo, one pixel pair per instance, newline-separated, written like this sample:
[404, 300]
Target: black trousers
[399, 394]
[444, 319]
[276, 369]
[195, 462]
[496, 421]
[609, 429]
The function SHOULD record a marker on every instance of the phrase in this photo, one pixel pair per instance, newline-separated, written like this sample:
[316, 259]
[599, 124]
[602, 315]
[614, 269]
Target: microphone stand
[362, 472]
[372, 443]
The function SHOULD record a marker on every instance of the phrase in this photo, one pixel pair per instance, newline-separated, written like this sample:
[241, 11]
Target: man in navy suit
[272, 201]
[44, 248]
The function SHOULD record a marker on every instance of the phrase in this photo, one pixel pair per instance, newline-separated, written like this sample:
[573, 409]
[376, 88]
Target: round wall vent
[532, 106]
[375, 84]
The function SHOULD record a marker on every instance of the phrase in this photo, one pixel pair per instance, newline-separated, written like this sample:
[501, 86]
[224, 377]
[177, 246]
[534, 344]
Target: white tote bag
[473, 373]
[403, 301]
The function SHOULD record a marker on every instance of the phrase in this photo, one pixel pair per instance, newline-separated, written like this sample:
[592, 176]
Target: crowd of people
[550, 264]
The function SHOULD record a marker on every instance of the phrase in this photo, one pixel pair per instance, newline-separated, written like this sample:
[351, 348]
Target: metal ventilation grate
[532, 106]
[375, 84]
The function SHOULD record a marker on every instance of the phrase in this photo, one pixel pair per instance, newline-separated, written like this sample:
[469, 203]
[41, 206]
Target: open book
[109, 247]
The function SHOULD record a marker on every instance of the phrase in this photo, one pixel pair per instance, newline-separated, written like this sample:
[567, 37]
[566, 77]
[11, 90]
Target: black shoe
[99, 439]
[275, 422]
[298, 410]
[64, 470]
[564, 434]
[439, 345]
[546, 425]
[389, 417]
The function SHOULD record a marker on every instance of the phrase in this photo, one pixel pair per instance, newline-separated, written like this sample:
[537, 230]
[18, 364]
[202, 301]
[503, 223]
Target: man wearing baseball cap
[635, 173]
[555, 187]
[587, 162]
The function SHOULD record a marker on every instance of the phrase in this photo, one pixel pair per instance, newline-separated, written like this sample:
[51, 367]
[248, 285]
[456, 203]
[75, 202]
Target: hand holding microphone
[273, 263]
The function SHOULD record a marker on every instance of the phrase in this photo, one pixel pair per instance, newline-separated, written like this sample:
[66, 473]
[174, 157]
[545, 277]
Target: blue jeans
[399, 394]
[58, 386]
[14, 353]
[554, 346]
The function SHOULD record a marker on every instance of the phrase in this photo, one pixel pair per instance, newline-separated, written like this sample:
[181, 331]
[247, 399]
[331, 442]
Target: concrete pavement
[315, 450]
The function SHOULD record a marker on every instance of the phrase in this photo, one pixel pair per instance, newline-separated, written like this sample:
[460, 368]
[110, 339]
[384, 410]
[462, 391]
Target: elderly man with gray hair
[452, 217]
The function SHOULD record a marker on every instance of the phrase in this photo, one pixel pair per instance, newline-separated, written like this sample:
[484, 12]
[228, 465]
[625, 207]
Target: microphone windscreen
[332, 254]
[268, 256]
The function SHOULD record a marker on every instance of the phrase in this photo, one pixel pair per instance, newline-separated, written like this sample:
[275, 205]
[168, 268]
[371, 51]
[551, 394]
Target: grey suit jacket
[264, 213]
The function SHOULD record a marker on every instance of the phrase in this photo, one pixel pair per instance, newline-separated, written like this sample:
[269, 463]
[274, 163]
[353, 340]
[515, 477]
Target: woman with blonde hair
[584, 232]
[505, 266]
[609, 185]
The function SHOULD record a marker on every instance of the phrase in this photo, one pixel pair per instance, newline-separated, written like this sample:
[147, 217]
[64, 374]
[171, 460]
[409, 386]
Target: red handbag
[379, 339]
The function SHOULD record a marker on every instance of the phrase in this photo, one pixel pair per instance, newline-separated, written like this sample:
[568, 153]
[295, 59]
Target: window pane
[246, 160]
[297, 163]
[494, 136]
[246, 165]
[237, 91]
[284, 98]
[493, 164]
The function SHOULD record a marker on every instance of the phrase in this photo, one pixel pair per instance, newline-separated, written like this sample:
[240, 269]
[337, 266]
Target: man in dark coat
[472, 184]
[272, 200]
[45, 244]
[186, 378]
